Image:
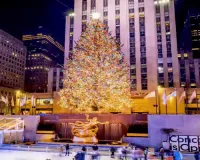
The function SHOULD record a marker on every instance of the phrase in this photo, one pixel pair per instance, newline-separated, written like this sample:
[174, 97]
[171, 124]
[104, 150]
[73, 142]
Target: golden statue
[85, 131]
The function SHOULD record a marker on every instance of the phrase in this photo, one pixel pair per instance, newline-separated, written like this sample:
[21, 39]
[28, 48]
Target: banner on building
[185, 143]
[44, 102]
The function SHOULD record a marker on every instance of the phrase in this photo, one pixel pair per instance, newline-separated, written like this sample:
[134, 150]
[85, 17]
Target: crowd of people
[124, 153]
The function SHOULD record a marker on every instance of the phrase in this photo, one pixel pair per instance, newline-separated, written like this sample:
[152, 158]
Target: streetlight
[72, 14]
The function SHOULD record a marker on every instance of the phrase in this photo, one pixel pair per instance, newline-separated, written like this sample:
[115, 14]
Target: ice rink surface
[26, 155]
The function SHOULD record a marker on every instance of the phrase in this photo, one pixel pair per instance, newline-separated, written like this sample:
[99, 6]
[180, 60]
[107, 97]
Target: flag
[6, 101]
[164, 98]
[12, 102]
[33, 101]
[173, 94]
[23, 101]
[150, 95]
[183, 95]
[193, 96]
[3, 99]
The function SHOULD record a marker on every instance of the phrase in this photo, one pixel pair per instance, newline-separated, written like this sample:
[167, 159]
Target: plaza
[117, 89]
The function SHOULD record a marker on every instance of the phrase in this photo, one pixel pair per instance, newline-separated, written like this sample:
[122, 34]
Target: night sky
[18, 16]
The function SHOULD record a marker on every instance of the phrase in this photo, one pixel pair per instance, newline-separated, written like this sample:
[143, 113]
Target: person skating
[67, 149]
[124, 153]
[162, 152]
[112, 150]
[196, 155]
[95, 148]
[177, 155]
[84, 149]
[146, 153]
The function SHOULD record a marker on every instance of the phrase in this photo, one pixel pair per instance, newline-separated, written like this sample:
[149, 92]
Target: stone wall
[184, 124]
[117, 127]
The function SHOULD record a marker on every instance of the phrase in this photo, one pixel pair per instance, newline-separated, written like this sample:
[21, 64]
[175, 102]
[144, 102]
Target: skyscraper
[43, 53]
[12, 62]
[189, 50]
[147, 30]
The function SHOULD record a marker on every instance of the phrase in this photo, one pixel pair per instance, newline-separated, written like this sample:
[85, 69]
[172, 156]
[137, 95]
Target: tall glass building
[43, 53]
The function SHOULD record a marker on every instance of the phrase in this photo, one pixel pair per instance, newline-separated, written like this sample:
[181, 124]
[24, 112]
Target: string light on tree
[96, 78]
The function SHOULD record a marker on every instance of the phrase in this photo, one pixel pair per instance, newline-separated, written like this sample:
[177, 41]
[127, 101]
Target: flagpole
[176, 102]
[186, 101]
[156, 94]
[197, 103]
[159, 110]
[166, 102]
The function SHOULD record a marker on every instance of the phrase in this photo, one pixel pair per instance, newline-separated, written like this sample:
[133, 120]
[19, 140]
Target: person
[61, 150]
[124, 152]
[112, 150]
[67, 149]
[84, 149]
[146, 153]
[177, 155]
[196, 155]
[119, 150]
[95, 155]
[95, 147]
[74, 154]
[162, 152]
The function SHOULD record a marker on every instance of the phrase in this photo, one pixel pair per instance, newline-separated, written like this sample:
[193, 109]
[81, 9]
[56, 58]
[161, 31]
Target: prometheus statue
[86, 131]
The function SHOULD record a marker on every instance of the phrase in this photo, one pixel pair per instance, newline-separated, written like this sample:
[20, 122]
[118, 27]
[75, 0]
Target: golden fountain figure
[86, 131]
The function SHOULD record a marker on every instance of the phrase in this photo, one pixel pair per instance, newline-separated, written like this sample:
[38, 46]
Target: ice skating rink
[27, 155]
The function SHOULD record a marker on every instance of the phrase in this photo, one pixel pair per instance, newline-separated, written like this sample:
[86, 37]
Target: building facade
[43, 53]
[12, 61]
[147, 30]
[189, 50]
[55, 79]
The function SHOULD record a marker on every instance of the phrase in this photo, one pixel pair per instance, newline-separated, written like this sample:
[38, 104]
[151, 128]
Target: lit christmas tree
[97, 78]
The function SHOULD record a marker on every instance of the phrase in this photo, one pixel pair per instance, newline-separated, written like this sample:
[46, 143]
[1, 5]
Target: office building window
[131, 10]
[117, 12]
[166, 8]
[117, 2]
[140, 1]
[83, 27]
[166, 18]
[118, 30]
[169, 54]
[167, 27]
[105, 13]
[141, 9]
[117, 21]
[158, 19]
[84, 5]
[84, 17]
[157, 9]
[131, 1]
[159, 38]
[168, 37]
[93, 4]
[158, 28]
[105, 3]
[105, 21]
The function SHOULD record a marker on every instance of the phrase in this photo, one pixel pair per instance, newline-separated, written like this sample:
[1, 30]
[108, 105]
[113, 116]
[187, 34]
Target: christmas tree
[96, 78]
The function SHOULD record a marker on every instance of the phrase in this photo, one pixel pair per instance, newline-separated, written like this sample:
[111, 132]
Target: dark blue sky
[18, 16]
